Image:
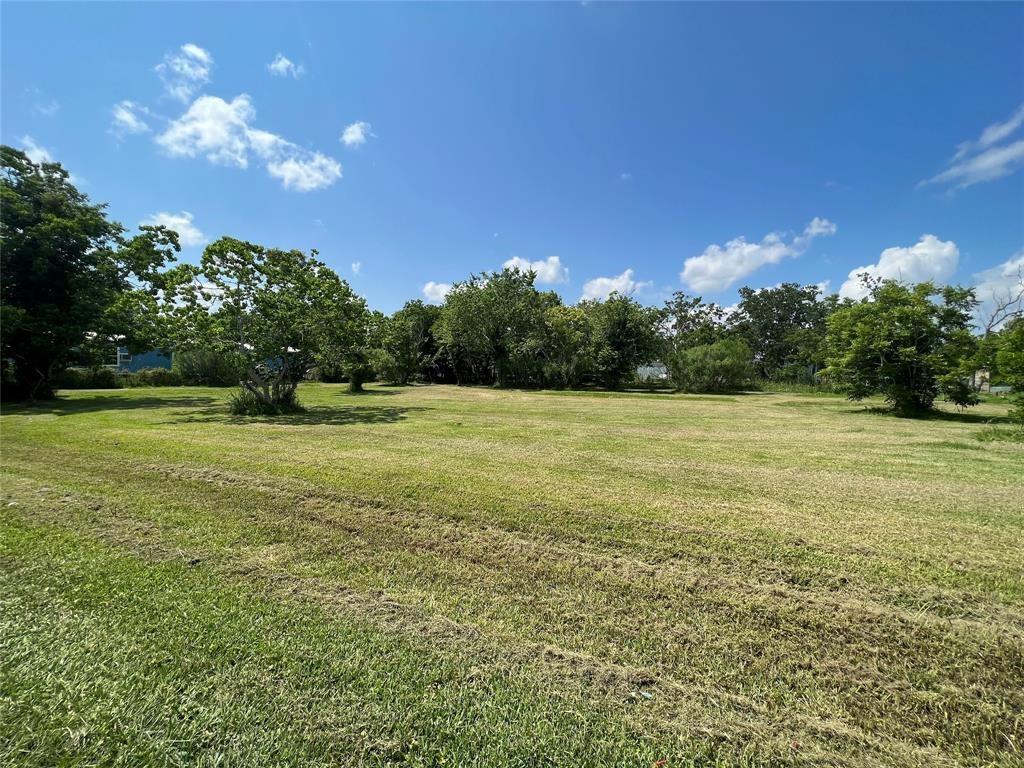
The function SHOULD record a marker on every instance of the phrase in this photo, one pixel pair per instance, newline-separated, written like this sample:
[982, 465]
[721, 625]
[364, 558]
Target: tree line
[75, 285]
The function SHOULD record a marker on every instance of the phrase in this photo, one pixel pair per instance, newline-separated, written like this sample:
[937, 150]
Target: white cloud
[356, 134]
[601, 288]
[989, 165]
[356, 266]
[304, 171]
[986, 159]
[435, 292]
[36, 152]
[221, 131]
[188, 233]
[823, 287]
[928, 259]
[282, 66]
[126, 119]
[718, 267]
[625, 176]
[1002, 283]
[549, 270]
[214, 128]
[185, 72]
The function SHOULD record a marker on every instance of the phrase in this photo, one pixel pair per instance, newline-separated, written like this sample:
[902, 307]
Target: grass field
[443, 576]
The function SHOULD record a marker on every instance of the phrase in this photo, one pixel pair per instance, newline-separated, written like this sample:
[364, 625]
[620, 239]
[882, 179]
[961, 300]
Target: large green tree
[785, 328]
[407, 344]
[490, 325]
[280, 311]
[73, 286]
[907, 343]
[625, 335]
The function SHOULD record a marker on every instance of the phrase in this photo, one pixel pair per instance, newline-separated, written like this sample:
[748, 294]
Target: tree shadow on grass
[334, 416]
[963, 417]
[62, 406]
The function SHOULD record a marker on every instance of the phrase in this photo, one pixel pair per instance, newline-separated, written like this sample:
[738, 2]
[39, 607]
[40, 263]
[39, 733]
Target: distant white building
[655, 371]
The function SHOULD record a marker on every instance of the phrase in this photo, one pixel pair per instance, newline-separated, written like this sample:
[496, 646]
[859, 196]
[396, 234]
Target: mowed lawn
[445, 576]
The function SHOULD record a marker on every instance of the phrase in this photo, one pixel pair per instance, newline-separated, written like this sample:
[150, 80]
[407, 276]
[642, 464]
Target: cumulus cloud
[987, 158]
[127, 119]
[36, 152]
[928, 259]
[188, 233]
[600, 288]
[356, 266]
[549, 270]
[356, 134]
[185, 71]
[1002, 284]
[221, 131]
[435, 292]
[282, 66]
[213, 128]
[718, 267]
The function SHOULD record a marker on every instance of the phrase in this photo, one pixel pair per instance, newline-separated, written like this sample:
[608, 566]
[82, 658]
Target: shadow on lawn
[69, 407]
[963, 417]
[335, 416]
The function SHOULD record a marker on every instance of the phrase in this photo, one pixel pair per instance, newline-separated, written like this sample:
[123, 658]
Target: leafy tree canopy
[908, 343]
[281, 311]
[74, 286]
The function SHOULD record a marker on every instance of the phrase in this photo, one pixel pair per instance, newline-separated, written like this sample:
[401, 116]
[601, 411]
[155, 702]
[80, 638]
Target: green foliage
[724, 366]
[692, 323]
[491, 328]
[73, 286]
[909, 344]
[152, 377]
[407, 343]
[281, 312]
[90, 378]
[567, 346]
[246, 402]
[785, 329]
[209, 367]
[1010, 363]
[625, 335]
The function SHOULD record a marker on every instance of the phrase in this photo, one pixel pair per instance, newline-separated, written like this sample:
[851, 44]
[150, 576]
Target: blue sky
[643, 147]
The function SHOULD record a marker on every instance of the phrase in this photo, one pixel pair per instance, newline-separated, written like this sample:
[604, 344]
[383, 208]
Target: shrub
[245, 403]
[89, 378]
[153, 377]
[724, 366]
[209, 368]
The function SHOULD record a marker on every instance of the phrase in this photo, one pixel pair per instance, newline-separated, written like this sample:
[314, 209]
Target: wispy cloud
[43, 104]
[185, 71]
[720, 266]
[987, 158]
[282, 66]
[126, 118]
[356, 267]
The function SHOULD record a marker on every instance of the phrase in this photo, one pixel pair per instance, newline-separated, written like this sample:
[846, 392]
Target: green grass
[443, 576]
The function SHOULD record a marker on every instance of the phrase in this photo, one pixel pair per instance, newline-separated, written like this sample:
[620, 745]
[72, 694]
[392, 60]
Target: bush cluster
[246, 403]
